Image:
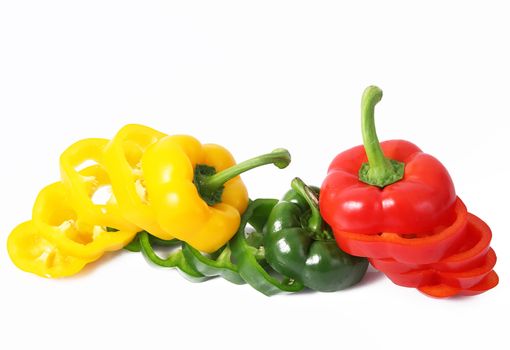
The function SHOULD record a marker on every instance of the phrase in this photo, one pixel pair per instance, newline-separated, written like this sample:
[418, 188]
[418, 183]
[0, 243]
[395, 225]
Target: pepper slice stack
[172, 187]
[397, 206]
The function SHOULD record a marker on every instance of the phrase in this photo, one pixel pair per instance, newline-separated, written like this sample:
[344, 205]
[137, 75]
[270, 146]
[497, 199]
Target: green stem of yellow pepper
[210, 183]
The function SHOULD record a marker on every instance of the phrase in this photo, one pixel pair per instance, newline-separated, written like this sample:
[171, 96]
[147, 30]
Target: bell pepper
[195, 189]
[386, 187]
[298, 244]
[31, 252]
[248, 253]
[82, 186]
[58, 222]
[122, 159]
[420, 234]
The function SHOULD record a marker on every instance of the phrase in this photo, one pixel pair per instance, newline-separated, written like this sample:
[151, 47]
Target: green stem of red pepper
[210, 183]
[379, 171]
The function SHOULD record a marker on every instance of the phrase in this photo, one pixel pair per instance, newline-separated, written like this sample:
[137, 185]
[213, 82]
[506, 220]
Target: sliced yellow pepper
[122, 157]
[169, 186]
[83, 185]
[195, 189]
[59, 223]
[31, 252]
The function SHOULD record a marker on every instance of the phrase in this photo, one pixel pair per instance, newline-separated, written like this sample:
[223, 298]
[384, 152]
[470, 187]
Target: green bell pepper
[248, 252]
[299, 244]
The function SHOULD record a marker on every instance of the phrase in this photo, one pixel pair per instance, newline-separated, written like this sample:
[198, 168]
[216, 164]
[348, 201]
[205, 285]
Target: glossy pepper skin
[248, 253]
[411, 191]
[297, 244]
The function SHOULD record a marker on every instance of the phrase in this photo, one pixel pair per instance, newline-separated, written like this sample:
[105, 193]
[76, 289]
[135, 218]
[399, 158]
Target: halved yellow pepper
[82, 185]
[195, 189]
[121, 158]
[31, 252]
[59, 223]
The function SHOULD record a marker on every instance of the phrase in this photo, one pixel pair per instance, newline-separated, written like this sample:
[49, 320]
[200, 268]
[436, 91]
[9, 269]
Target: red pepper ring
[471, 254]
[466, 279]
[430, 277]
[421, 250]
[490, 281]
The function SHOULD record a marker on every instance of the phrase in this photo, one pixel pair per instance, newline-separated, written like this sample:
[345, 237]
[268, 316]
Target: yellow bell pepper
[31, 252]
[122, 157]
[82, 186]
[59, 223]
[195, 189]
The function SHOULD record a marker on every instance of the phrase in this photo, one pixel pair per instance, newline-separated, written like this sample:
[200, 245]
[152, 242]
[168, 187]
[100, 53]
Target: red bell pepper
[400, 189]
[402, 213]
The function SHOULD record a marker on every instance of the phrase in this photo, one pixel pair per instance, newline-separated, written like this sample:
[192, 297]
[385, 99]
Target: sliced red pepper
[430, 277]
[469, 278]
[470, 254]
[421, 250]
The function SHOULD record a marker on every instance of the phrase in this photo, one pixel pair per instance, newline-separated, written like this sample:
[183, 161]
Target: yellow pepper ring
[122, 157]
[60, 224]
[31, 252]
[193, 201]
[82, 185]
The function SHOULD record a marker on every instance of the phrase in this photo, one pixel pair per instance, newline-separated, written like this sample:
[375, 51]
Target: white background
[252, 77]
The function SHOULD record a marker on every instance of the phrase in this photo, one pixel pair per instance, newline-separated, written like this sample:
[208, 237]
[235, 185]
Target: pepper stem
[315, 220]
[379, 171]
[210, 184]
